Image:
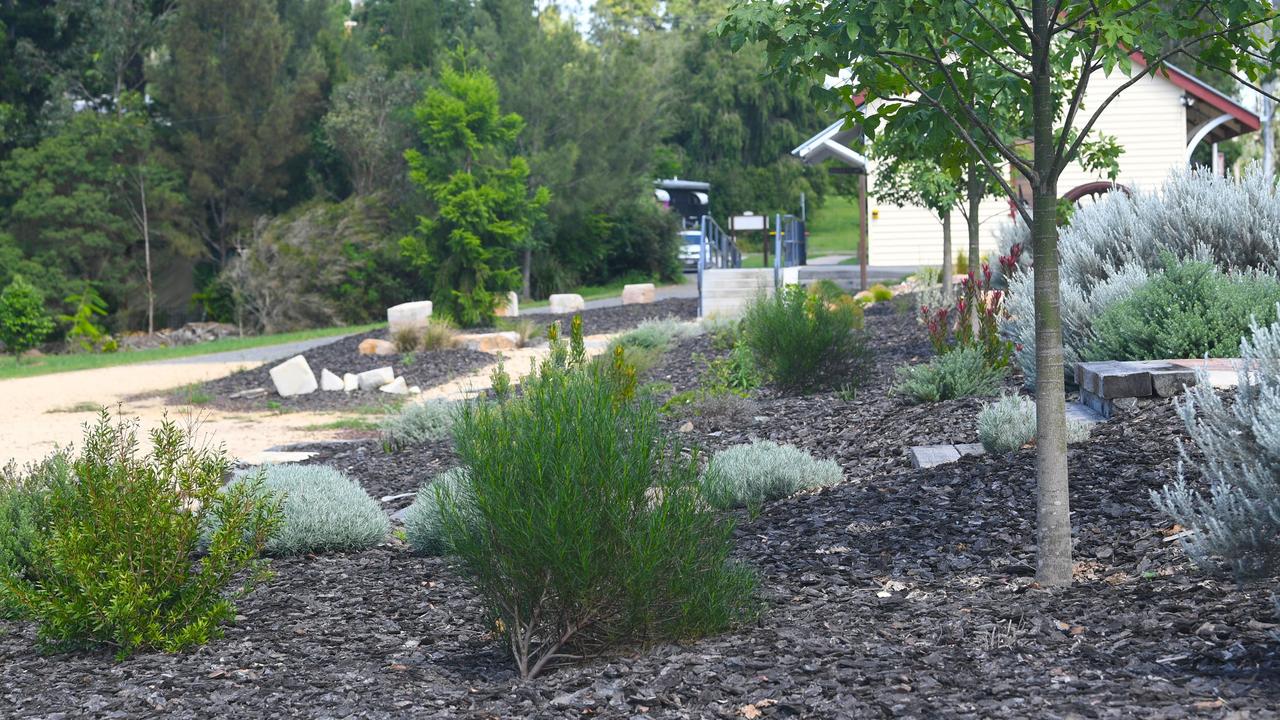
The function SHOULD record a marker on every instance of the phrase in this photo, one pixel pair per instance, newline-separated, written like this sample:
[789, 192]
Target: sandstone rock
[396, 387]
[511, 308]
[563, 303]
[376, 378]
[415, 390]
[1110, 380]
[374, 346]
[490, 342]
[329, 381]
[409, 316]
[350, 382]
[294, 377]
[639, 294]
[1171, 381]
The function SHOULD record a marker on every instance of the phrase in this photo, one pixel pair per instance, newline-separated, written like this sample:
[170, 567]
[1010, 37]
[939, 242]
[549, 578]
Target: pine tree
[483, 207]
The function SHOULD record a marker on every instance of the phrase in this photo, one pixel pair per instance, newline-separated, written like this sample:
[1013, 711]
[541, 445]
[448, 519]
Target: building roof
[1205, 103]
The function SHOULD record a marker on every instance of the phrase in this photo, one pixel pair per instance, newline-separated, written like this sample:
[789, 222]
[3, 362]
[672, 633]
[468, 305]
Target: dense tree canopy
[244, 121]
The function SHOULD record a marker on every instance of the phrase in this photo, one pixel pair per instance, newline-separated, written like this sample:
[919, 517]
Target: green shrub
[1190, 310]
[323, 510]
[112, 564]
[23, 322]
[582, 527]
[803, 344]
[423, 521]
[1010, 423]
[827, 290]
[23, 507]
[880, 293]
[963, 372]
[747, 475]
[417, 423]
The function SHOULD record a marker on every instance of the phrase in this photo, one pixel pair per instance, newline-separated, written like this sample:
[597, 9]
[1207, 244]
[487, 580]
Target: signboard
[747, 222]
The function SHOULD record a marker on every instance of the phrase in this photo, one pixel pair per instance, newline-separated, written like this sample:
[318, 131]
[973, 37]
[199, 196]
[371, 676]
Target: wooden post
[863, 231]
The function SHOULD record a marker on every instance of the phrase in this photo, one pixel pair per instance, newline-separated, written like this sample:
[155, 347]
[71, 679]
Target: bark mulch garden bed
[901, 593]
[424, 369]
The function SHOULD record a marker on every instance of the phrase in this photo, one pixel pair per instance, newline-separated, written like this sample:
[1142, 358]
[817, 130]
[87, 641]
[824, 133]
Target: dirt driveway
[39, 413]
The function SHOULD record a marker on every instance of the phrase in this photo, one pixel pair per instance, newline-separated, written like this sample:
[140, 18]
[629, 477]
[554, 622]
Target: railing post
[702, 258]
[777, 252]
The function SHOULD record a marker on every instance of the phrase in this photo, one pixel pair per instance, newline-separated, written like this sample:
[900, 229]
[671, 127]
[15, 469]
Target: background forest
[285, 163]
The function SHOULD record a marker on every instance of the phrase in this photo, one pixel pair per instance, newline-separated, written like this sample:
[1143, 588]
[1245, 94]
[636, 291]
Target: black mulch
[425, 369]
[903, 593]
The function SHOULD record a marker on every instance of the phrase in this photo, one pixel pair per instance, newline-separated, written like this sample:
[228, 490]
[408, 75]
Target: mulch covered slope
[902, 593]
[424, 369]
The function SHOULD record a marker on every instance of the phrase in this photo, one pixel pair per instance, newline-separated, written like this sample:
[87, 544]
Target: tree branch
[1077, 97]
[992, 56]
[968, 139]
[973, 6]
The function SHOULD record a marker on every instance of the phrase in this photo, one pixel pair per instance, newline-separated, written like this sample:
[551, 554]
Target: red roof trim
[1202, 92]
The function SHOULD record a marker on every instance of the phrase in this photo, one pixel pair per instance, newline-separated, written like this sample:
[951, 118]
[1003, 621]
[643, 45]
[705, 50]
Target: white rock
[329, 381]
[350, 382]
[396, 387]
[512, 308]
[376, 378]
[415, 390]
[409, 316]
[566, 303]
[639, 294]
[294, 377]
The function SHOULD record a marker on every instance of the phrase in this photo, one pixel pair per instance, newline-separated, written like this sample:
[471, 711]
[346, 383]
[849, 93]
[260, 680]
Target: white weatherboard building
[1158, 122]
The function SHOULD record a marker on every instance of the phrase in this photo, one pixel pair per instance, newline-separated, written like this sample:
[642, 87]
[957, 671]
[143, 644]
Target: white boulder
[350, 382]
[639, 294]
[511, 308]
[294, 377]
[396, 387]
[329, 381]
[376, 378]
[564, 303]
[409, 316]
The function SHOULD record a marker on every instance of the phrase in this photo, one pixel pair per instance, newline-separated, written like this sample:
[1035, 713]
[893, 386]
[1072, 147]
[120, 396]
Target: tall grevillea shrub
[582, 527]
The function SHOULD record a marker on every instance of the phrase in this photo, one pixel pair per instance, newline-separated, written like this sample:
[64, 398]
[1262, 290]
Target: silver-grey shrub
[418, 423]
[1113, 246]
[324, 510]
[658, 334]
[423, 522]
[1237, 525]
[747, 475]
[1010, 423]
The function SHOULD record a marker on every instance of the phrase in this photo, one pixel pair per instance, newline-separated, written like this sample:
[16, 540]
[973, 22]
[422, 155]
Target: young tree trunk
[974, 193]
[146, 253]
[948, 265]
[526, 284]
[1053, 506]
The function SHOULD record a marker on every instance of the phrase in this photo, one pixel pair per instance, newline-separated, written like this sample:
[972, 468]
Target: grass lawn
[90, 361]
[833, 228]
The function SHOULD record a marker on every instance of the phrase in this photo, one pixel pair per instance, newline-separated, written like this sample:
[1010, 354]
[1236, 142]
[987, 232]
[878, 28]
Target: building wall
[1147, 120]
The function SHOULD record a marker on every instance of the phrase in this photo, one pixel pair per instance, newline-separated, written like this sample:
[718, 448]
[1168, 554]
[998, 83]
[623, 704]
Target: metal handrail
[717, 250]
